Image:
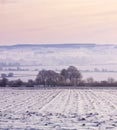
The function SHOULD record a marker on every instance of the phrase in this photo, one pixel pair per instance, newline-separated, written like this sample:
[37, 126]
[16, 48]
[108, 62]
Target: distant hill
[48, 45]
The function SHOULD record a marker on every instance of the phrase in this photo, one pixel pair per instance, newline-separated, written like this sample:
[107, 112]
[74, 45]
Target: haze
[58, 21]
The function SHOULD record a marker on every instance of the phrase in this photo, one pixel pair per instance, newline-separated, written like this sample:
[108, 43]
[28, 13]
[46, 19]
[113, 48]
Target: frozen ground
[58, 109]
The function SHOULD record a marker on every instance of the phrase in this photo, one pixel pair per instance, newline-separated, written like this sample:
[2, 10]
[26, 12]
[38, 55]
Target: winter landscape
[58, 64]
[54, 96]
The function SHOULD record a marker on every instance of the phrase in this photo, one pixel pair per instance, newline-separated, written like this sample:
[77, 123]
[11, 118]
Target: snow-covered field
[58, 109]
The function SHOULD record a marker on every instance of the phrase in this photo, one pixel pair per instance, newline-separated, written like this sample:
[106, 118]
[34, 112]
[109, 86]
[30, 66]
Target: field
[58, 109]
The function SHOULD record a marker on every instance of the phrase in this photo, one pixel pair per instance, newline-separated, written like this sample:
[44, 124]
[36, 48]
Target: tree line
[49, 78]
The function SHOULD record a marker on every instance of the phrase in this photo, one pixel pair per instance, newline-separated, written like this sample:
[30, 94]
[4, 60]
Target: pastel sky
[58, 21]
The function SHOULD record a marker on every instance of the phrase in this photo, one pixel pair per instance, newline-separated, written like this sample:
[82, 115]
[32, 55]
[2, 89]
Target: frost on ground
[58, 109]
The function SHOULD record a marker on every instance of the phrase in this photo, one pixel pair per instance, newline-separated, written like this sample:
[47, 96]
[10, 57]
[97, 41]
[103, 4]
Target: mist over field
[61, 55]
[26, 60]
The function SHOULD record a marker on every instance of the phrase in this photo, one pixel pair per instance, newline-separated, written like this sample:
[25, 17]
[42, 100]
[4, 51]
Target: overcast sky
[58, 21]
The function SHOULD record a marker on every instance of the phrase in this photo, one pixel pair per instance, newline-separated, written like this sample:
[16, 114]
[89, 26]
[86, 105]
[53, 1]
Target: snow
[58, 109]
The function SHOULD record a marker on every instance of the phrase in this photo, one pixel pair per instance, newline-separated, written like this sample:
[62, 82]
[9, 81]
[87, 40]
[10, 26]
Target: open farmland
[58, 109]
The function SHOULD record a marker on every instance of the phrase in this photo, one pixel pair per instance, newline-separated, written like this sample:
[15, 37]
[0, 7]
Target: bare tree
[72, 75]
[90, 81]
[3, 82]
[48, 78]
[110, 80]
[3, 75]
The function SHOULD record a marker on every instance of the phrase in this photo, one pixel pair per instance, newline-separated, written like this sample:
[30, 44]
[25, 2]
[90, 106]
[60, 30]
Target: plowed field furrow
[58, 109]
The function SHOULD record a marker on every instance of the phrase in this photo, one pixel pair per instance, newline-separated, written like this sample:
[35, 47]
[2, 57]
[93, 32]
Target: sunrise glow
[58, 21]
